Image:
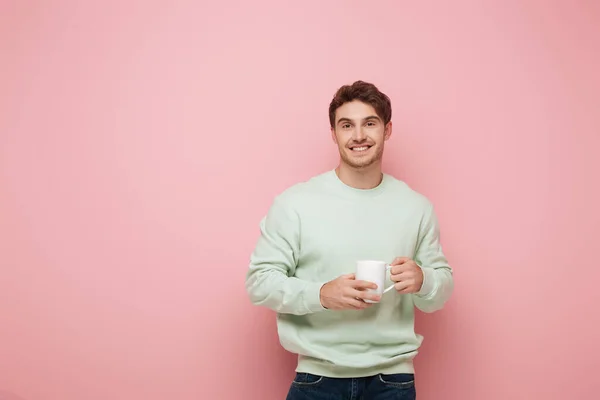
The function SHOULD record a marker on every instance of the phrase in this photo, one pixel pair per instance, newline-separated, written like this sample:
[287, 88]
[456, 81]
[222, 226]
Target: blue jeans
[378, 387]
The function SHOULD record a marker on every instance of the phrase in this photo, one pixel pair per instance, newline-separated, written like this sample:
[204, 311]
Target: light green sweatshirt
[314, 232]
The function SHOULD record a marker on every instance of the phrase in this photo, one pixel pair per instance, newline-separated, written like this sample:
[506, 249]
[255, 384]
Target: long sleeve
[438, 281]
[270, 280]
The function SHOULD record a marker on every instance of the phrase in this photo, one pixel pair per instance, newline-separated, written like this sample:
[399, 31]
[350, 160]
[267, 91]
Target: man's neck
[360, 178]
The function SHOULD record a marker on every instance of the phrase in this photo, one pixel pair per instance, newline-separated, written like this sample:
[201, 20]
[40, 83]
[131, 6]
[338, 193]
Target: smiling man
[303, 264]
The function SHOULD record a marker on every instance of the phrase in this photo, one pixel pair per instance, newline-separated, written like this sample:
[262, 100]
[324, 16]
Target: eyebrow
[343, 119]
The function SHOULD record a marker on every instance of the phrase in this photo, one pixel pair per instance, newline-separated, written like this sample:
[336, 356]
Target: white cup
[373, 271]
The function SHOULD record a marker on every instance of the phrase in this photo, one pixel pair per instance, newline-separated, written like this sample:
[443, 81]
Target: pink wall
[134, 169]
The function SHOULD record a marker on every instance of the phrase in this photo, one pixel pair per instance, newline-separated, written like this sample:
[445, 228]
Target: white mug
[373, 271]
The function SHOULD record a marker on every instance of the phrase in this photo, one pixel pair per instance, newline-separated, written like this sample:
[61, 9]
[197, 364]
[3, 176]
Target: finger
[347, 276]
[360, 284]
[407, 290]
[398, 269]
[403, 268]
[403, 276]
[365, 295]
[401, 273]
[399, 260]
[357, 304]
[401, 286]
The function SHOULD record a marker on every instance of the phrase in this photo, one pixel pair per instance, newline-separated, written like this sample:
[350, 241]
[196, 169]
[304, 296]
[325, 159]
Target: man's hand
[407, 275]
[347, 293]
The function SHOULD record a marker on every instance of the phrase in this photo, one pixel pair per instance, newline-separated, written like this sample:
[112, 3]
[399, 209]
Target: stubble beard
[362, 163]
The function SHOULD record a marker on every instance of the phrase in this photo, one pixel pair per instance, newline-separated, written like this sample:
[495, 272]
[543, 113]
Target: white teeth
[360, 148]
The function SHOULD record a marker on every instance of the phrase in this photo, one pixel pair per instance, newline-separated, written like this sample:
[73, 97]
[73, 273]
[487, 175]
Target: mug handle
[388, 268]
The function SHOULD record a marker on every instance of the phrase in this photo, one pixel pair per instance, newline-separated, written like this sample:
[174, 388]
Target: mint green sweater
[314, 232]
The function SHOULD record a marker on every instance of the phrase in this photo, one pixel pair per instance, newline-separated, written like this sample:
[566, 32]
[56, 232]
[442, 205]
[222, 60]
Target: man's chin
[358, 164]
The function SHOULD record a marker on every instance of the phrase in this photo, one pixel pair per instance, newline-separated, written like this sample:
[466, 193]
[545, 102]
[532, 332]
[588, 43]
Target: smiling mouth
[360, 149]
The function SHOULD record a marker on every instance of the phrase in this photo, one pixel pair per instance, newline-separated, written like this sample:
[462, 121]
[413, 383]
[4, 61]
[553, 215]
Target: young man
[304, 262]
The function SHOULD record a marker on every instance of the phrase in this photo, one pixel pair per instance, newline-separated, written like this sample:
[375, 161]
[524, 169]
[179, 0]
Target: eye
[345, 126]
[370, 123]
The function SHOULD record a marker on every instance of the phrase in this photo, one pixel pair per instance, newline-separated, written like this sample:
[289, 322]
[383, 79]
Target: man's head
[360, 117]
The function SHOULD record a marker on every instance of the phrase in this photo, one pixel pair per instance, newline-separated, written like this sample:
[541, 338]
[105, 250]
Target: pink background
[141, 142]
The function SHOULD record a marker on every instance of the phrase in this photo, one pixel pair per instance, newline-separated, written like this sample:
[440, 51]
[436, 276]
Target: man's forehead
[355, 111]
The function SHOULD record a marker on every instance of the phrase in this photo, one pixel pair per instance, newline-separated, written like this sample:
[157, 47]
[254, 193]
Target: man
[304, 262]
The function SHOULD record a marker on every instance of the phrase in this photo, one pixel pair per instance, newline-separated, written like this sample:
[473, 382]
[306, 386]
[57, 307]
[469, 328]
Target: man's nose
[358, 135]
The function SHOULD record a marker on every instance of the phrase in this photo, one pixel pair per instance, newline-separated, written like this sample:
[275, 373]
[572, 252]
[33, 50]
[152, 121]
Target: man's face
[360, 134]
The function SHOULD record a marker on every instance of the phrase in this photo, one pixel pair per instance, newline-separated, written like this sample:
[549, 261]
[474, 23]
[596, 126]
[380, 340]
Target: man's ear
[388, 131]
[333, 137]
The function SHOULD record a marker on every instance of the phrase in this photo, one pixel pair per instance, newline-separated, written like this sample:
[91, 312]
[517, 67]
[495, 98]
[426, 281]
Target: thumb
[348, 276]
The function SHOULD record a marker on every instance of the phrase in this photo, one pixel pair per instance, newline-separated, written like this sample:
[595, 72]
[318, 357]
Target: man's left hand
[407, 275]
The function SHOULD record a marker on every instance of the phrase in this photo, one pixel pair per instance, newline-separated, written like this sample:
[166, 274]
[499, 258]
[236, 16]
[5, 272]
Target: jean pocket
[306, 379]
[402, 381]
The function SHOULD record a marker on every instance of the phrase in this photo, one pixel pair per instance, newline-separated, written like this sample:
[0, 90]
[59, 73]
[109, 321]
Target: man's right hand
[347, 293]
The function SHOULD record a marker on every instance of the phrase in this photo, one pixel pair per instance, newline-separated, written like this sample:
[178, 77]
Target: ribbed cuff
[312, 297]
[428, 282]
